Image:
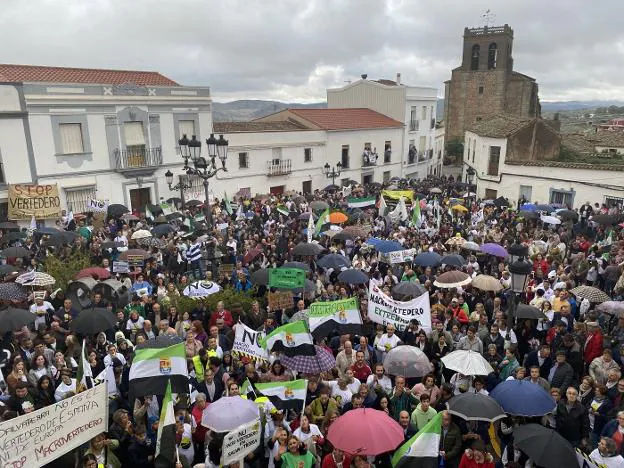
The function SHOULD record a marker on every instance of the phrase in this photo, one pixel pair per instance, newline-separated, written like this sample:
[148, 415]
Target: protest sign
[240, 442]
[287, 278]
[385, 310]
[97, 206]
[222, 226]
[397, 194]
[121, 267]
[40, 201]
[226, 269]
[38, 438]
[399, 256]
[280, 300]
[247, 342]
[135, 260]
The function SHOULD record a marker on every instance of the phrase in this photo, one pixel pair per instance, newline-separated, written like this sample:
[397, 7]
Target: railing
[137, 158]
[277, 167]
[368, 163]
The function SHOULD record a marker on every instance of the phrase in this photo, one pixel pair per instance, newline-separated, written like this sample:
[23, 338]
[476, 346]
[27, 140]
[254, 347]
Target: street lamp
[332, 172]
[520, 271]
[516, 251]
[204, 168]
[470, 173]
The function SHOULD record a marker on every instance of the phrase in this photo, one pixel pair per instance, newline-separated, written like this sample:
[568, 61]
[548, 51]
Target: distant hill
[557, 106]
[249, 109]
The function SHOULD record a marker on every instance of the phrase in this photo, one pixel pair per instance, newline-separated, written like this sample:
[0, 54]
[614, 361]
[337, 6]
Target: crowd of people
[575, 353]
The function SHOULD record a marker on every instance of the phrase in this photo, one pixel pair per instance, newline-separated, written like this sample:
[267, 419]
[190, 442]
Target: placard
[97, 206]
[247, 342]
[38, 438]
[385, 310]
[27, 200]
[240, 442]
[121, 267]
[135, 260]
[287, 278]
[399, 256]
[226, 268]
[280, 300]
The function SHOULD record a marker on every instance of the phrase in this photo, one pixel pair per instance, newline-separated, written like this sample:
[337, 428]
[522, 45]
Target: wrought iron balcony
[278, 167]
[138, 159]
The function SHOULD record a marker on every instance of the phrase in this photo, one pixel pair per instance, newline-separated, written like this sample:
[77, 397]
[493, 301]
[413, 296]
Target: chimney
[398, 79]
[364, 76]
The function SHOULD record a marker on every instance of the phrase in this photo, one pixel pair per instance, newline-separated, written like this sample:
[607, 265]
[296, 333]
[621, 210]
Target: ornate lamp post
[520, 270]
[332, 172]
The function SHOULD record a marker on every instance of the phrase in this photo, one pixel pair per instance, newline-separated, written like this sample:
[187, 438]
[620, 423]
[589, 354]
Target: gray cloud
[292, 50]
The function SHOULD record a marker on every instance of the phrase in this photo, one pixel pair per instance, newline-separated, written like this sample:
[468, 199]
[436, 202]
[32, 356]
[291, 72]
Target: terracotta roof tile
[500, 126]
[32, 73]
[346, 119]
[567, 164]
[239, 127]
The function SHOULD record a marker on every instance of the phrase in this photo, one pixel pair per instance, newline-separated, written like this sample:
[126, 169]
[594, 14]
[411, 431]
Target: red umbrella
[253, 253]
[94, 272]
[365, 431]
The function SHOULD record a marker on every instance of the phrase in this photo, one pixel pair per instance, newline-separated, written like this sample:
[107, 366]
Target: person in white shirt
[113, 354]
[606, 454]
[308, 431]
[388, 341]
[502, 330]
[40, 308]
[379, 379]
[66, 386]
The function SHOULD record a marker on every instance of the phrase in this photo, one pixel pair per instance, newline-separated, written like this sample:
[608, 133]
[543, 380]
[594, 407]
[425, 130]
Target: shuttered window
[187, 127]
[134, 134]
[71, 138]
[77, 199]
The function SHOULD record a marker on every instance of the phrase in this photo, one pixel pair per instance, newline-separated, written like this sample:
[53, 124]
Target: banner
[286, 278]
[361, 202]
[385, 310]
[97, 206]
[40, 201]
[247, 342]
[400, 256]
[121, 267]
[240, 442]
[135, 260]
[280, 300]
[342, 315]
[38, 438]
[397, 194]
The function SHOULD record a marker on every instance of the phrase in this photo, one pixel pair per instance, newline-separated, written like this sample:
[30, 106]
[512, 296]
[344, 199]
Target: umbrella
[467, 363]
[307, 249]
[6, 269]
[260, 277]
[590, 293]
[200, 289]
[331, 188]
[97, 272]
[528, 207]
[8, 225]
[494, 249]
[355, 231]
[356, 214]
[486, 283]
[338, 218]
[461, 208]
[147, 242]
[335, 261]
[529, 214]
[12, 292]
[452, 279]
[457, 240]
[111, 245]
[48, 231]
[545, 207]
[523, 398]
[408, 288]
[298, 265]
[174, 215]
[435, 190]
[473, 246]
[322, 361]
[133, 252]
[428, 259]
[501, 202]
[162, 230]
[253, 253]
[340, 236]
[193, 203]
[453, 260]
[384, 246]
[15, 252]
[525, 311]
[35, 278]
[353, 276]
[306, 216]
[93, 321]
[12, 319]
[141, 234]
[567, 215]
[607, 220]
[13, 236]
[365, 431]
[161, 220]
[175, 201]
[228, 413]
[612, 308]
[319, 205]
[130, 217]
[475, 407]
[545, 447]
[308, 287]
[408, 361]
[116, 210]
[550, 220]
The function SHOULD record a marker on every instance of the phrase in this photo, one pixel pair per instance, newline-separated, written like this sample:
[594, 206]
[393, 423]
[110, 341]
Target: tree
[64, 270]
[455, 147]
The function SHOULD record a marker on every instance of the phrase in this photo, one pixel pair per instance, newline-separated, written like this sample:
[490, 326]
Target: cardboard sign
[121, 267]
[240, 442]
[287, 278]
[247, 342]
[40, 201]
[226, 268]
[135, 260]
[97, 206]
[280, 300]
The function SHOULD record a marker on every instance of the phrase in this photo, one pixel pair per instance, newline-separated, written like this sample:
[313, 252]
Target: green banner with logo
[286, 278]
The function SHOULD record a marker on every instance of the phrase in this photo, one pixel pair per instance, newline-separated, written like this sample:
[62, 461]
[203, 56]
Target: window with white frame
[71, 138]
[135, 138]
[77, 199]
[307, 154]
[562, 197]
[186, 127]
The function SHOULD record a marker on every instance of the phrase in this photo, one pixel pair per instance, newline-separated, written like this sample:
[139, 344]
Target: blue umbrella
[522, 398]
[528, 207]
[428, 259]
[374, 241]
[385, 246]
[249, 215]
[352, 276]
[453, 260]
[544, 207]
[335, 261]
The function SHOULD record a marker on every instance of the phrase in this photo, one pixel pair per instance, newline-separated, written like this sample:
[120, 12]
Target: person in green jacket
[508, 365]
[297, 455]
[320, 406]
[423, 412]
[401, 399]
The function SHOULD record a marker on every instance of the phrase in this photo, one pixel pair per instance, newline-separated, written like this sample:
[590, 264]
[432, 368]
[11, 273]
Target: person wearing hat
[561, 373]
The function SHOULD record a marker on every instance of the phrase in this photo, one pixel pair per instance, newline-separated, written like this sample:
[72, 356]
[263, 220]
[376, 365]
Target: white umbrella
[467, 363]
[408, 361]
[469, 245]
[141, 234]
[200, 289]
[35, 278]
[228, 413]
[469, 194]
[550, 220]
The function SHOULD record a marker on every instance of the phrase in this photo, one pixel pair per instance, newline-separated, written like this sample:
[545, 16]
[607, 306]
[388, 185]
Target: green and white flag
[285, 395]
[166, 437]
[166, 208]
[292, 339]
[343, 316]
[416, 213]
[148, 213]
[153, 368]
[323, 219]
[85, 374]
[361, 202]
[200, 218]
[423, 448]
[228, 205]
[310, 230]
[382, 207]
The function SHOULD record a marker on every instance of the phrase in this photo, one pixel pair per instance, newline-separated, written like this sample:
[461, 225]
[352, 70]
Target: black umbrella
[9, 225]
[525, 311]
[48, 231]
[15, 252]
[408, 288]
[154, 209]
[162, 230]
[6, 269]
[356, 215]
[12, 319]
[501, 202]
[428, 259]
[331, 188]
[13, 236]
[300, 265]
[116, 210]
[174, 215]
[305, 216]
[92, 321]
[475, 407]
[568, 215]
[111, 245]
[530, 214]
[453, 260]
[175, 201]
[307, 249]
[12, 292]
[353, 276]
[65, 237]
[308, 287]
[160, 220]
[343, 236]
[260, 277]
[607, 220]
[545, 447]
[335, 261]
[193, 203]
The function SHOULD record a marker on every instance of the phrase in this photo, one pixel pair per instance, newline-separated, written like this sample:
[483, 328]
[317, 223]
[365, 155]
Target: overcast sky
[292, 50]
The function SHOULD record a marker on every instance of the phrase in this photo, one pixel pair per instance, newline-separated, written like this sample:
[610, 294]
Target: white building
[415, 106]
[104, 134]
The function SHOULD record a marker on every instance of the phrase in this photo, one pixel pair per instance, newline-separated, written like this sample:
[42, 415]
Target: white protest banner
[97, 206]
[37, 438]
[247, 342]
[385, 310]
[400, 256]
[121, 267]
[240, 442]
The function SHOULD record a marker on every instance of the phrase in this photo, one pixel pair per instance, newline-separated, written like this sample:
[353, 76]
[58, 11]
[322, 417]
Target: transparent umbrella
[228, 413]
[408, 361]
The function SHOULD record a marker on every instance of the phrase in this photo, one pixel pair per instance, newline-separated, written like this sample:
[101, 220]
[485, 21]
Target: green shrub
[234, 301]
[64, 270]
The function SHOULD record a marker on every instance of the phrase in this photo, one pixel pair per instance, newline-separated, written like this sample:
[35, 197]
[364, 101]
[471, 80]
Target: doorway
[306, 187]
[139, 197]
[490, 194]
[367, 179]
[277, 190]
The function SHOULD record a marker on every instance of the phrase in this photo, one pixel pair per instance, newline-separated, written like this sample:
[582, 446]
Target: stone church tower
[485, 83]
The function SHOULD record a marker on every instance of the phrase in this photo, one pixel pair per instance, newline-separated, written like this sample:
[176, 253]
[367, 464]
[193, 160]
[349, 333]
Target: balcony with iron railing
[278, 167]
[138, 160]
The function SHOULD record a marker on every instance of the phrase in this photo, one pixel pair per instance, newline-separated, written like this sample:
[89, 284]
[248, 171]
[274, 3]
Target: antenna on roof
[488, 18]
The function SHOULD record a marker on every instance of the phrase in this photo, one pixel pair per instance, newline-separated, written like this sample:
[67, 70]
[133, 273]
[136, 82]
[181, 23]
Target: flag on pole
[153, 368]
[423, 448]
[292, 339]
[166, 208]
[33, 224]
[285, 395]
[361, 202]
[310, 227]
[382, 207]
[228, 205]
[84, 376]
[148, 213]
[239, 211]
[283, 210]
[166, 437]
[323, 219]
[416, 213]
